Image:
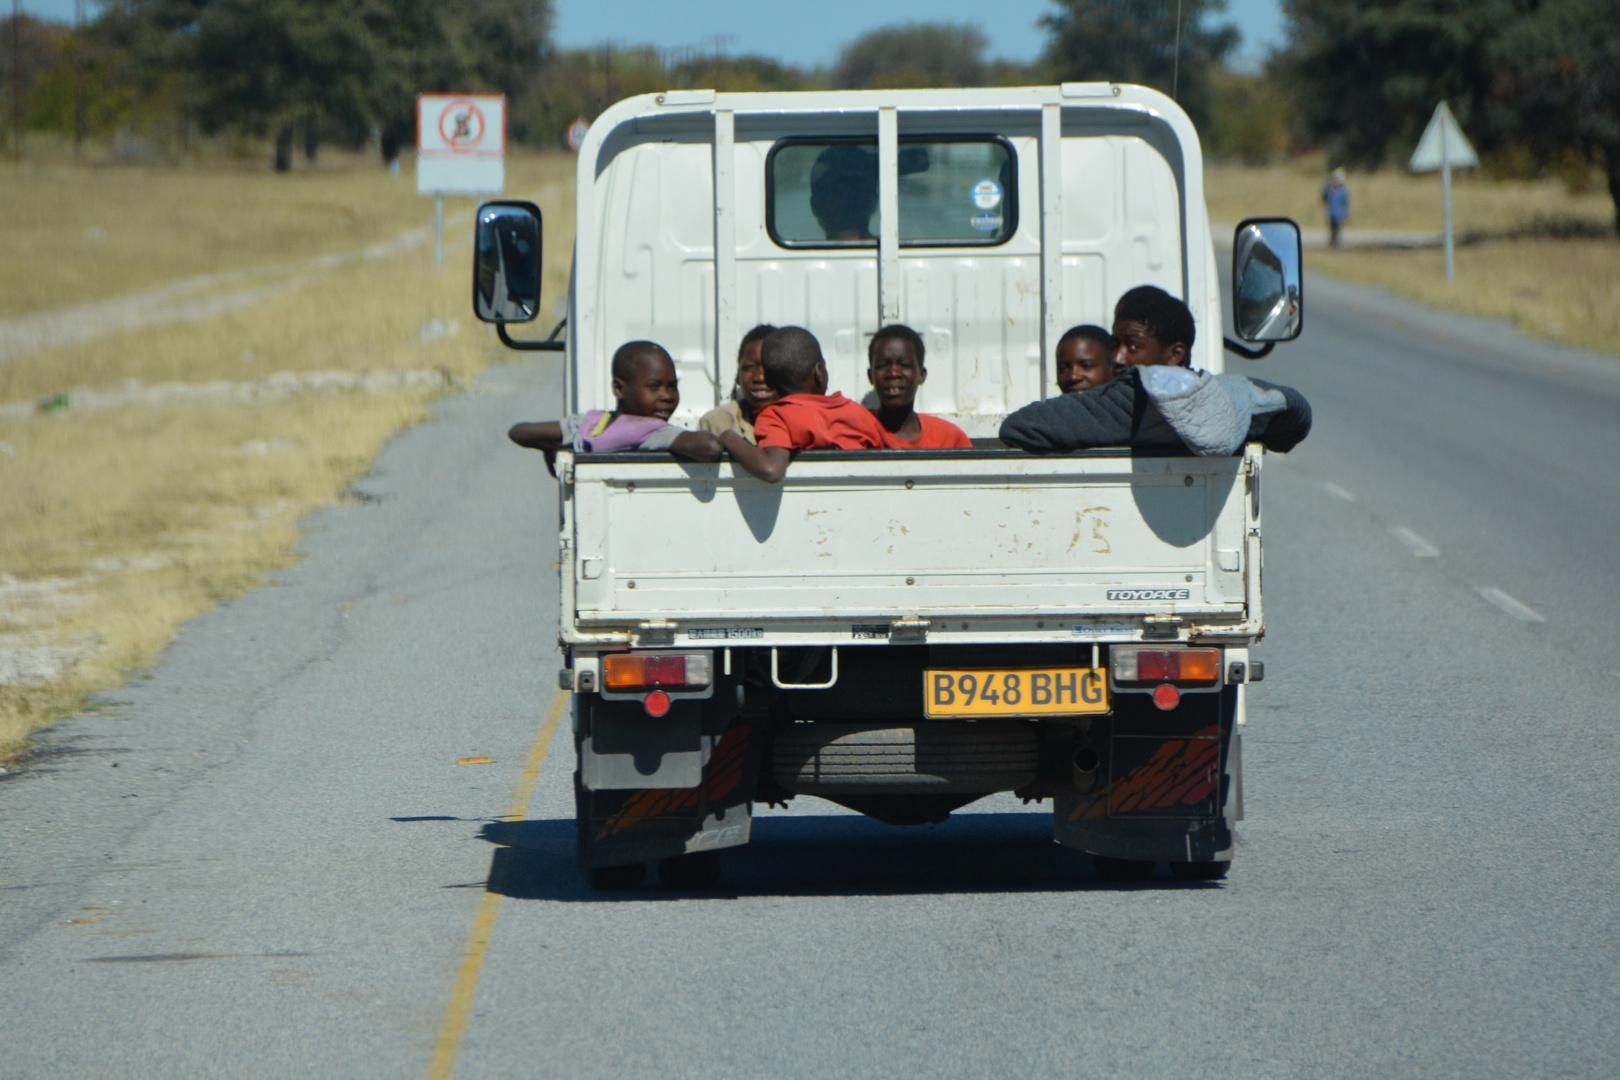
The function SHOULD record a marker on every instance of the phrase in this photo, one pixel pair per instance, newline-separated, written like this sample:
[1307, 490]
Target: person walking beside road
[1336, 197]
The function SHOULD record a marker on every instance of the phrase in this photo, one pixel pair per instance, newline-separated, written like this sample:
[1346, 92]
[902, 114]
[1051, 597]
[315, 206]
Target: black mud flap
[1166, 791]
[617, 828]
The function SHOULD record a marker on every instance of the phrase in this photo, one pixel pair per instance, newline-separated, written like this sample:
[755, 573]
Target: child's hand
[769, 463]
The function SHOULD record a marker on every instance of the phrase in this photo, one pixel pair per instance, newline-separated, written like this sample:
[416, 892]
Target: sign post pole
[1442, 146]
[438, 230]
[1445, 197]
[460, 150]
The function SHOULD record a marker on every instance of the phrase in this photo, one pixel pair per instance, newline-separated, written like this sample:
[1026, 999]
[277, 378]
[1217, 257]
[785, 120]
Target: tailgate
[1088, 543]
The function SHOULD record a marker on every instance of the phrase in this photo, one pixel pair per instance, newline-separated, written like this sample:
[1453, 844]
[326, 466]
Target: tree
[1559, 67]
[1368, 73]
[1541, 76]
[315, 68]
[912, 55]
[29, 51]
[1134, 41]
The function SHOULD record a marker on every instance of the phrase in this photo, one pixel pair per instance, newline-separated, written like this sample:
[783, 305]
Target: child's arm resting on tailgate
[544, 435]
[769, 463]
[696, 445]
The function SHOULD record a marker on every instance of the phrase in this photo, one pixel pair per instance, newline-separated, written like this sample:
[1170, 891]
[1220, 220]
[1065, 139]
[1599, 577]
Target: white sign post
[460, 149]
[1444, 147]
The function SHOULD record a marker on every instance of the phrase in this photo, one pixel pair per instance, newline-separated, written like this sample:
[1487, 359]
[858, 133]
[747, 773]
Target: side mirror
[1267, 287]
[506, 262]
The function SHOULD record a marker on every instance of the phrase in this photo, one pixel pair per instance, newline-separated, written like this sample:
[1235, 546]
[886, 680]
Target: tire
[1200, 871]
[942, 756]
[697, 872]
[1121, 869]
[618, 878]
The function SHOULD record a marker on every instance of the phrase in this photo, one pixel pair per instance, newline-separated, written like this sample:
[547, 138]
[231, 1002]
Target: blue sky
[808, 33]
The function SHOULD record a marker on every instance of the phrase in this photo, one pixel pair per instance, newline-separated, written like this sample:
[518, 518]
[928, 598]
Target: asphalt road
[264, 860]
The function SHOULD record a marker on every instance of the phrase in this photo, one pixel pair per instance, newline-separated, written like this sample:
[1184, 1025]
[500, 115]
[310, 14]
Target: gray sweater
[1158, 406]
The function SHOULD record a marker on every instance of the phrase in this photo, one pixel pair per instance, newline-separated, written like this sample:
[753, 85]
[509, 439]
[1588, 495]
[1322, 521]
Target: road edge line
[442, 1065]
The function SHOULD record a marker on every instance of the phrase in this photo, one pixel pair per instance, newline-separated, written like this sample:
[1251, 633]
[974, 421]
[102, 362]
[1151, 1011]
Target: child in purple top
[645, 385]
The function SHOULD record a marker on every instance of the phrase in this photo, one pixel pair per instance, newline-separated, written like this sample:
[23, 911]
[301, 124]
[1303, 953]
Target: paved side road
[287, 872]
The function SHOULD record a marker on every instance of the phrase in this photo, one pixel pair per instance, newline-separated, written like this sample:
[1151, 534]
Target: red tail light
[628, 672]
[1197, 666]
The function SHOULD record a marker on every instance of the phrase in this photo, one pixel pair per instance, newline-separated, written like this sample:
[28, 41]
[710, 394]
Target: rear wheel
[617, 878]
[690, 873]
[1121, 869]
[1200, 871]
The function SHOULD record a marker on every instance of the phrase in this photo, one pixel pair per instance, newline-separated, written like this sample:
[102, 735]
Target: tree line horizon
[1535, 83]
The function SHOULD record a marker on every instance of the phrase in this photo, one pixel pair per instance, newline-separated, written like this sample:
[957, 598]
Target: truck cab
[900, 632]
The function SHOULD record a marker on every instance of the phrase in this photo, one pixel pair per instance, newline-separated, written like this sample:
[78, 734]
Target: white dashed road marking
[1506, 603]
[1420, 547]
[1336, 491]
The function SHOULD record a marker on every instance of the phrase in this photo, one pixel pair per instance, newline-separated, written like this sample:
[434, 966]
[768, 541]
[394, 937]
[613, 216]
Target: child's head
[793, 361]
[895, 365]
[752, 389]
[1153, 327]
[644, 380]
[1085, 358]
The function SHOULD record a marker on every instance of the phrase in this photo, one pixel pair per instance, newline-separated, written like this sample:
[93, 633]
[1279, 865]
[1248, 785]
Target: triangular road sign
[1443, 139]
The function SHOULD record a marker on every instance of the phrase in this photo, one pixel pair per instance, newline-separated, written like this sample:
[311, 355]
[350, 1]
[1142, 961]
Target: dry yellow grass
[78, 233]
[128, 521]
[1566, 290]
[1396, 199]
[119, 523]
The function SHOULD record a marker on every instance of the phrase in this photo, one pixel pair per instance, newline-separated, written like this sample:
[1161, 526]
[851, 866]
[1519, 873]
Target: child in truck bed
[806, 417]
[1085, 358]
[647, 394]
[1157, 400]
[895, 370]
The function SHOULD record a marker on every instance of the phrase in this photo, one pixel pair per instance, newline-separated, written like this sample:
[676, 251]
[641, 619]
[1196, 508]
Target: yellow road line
[465, 994]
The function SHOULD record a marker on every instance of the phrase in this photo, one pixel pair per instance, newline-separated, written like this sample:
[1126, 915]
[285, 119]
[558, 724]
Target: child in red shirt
[806, 417]
[895, 370]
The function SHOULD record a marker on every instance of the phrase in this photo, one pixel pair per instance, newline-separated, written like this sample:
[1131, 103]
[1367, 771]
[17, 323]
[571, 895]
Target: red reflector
[657, 703]
[665, 671]
[1166, 697]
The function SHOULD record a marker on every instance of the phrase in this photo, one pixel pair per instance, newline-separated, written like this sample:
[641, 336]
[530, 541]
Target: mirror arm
[1246, 352]
[551, 344]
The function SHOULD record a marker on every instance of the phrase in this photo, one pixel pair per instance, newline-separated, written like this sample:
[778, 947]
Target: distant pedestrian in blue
[1336, 197]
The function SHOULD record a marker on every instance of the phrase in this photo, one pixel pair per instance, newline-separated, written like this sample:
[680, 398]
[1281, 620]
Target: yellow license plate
[1066, 691]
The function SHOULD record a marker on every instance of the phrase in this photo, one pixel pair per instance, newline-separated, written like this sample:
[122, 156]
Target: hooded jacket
[1165, 406]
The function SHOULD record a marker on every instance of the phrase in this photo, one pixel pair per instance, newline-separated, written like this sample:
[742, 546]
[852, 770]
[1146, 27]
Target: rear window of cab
[958, 191]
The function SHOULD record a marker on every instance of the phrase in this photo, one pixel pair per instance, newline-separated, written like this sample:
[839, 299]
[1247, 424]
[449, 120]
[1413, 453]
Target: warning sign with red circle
[460, 143]
[577, 131]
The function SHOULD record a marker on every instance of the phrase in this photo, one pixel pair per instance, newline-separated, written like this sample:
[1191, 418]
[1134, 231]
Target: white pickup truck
[901, 632]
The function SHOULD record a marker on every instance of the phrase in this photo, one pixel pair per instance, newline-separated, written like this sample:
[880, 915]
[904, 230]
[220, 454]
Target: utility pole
[16, 81]
[1175, 65]
[719, 43]
[607, 45]
[78, 76]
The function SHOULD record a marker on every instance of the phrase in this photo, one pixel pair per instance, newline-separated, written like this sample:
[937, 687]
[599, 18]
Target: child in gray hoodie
[1157, 400]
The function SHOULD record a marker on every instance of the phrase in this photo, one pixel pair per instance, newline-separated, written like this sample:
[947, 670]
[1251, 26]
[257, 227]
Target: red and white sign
[460, 143]
[577, 132]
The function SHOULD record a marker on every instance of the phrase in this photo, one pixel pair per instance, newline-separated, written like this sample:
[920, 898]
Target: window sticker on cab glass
[953, 191]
